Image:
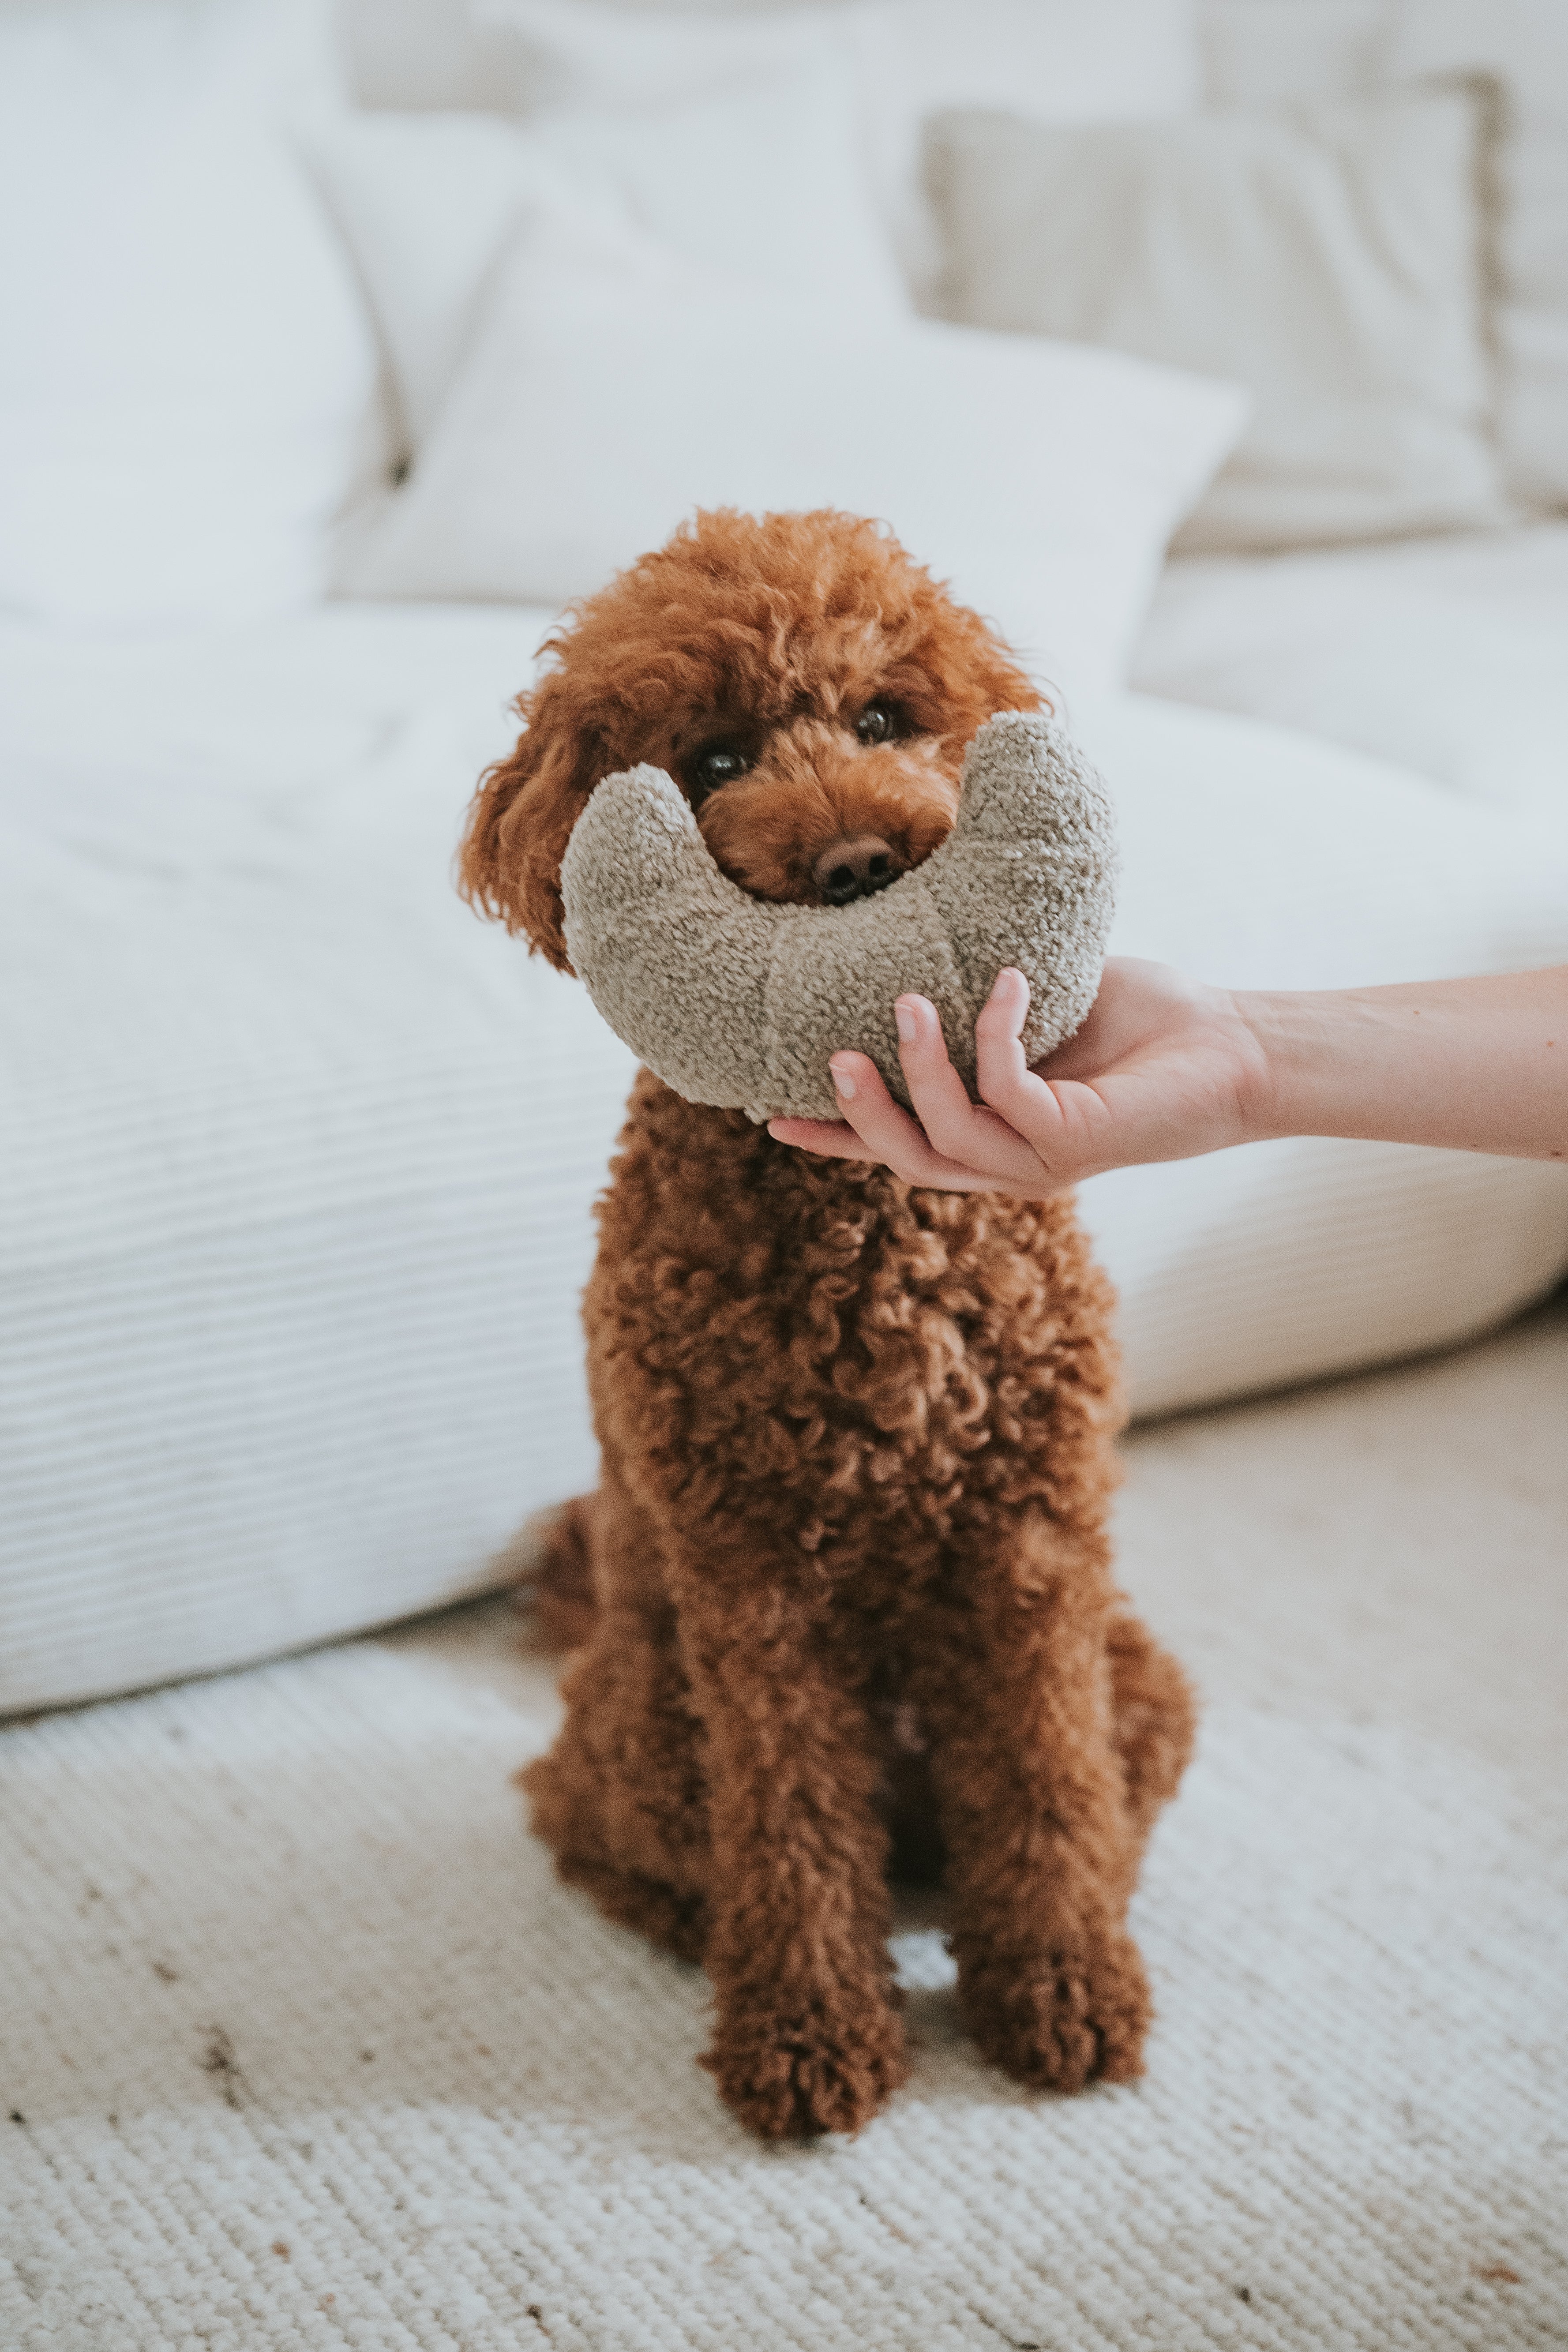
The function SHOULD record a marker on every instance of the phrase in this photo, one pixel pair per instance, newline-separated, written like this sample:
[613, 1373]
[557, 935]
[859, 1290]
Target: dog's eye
[720, 765]
[875, 724]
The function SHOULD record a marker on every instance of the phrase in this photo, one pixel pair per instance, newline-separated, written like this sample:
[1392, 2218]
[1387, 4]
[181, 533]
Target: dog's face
[810, 688]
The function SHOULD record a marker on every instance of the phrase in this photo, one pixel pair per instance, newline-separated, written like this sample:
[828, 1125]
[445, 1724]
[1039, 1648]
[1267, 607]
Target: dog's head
[810, 688]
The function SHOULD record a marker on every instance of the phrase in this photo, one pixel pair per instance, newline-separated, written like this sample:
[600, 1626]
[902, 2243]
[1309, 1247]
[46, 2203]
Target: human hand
[1162, 1068]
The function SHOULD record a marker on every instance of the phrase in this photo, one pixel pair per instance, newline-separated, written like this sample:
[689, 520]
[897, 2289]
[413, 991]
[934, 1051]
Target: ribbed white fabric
[300, 1156]
[305, 2049]
[1291, 1260]
[294, 1201]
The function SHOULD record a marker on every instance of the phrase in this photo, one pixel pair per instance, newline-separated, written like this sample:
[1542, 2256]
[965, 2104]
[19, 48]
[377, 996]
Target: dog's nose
[854, 867]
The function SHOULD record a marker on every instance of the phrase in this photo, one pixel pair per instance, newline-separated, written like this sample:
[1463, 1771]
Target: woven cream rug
[304, 2047]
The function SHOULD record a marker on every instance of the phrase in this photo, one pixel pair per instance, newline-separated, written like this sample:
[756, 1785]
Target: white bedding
[1449, 655]
[300, 1155]
[294, 1207]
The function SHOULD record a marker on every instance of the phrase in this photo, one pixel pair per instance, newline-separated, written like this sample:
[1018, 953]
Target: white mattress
[294, 1208]
[1448, 656]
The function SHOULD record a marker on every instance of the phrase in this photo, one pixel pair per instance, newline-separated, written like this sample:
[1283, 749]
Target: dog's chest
[816, 1339]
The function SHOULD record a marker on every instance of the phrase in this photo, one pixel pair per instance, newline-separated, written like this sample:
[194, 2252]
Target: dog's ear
[1002, 680]
[978, 673]
[522, 816]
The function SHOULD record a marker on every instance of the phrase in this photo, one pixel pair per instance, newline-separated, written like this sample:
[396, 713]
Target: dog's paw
[795, 2077]
[1059, 2020]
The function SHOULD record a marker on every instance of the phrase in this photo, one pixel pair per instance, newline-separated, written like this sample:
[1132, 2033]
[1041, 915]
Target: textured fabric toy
[738, 1002]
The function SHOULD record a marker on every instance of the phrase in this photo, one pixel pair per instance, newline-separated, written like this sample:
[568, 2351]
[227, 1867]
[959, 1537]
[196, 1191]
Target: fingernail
[843, 1081]
[904, 1022]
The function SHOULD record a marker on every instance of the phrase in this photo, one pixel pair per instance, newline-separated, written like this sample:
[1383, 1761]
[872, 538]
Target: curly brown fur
[852, 1600]
[771, 638]
[560, 1588]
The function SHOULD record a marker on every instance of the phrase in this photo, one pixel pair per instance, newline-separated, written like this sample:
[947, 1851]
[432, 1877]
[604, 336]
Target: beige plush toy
[738, 1002]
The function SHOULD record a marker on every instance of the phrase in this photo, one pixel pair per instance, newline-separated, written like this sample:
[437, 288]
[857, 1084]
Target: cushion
[1524, 44]
[1255, 858]
[740, 1002]
[426, 202]
[295, 1207]
[1443, 656]
[768, 179]
[611, 389]
[1328, 257]
[1120, 59]
[186, 371]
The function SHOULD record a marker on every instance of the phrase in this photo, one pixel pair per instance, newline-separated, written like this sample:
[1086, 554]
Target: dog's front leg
[1018, 1690]
[807, 2037]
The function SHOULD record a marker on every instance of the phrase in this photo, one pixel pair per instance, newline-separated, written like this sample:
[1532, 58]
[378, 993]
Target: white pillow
[766, 178]
[424, 201]
[1524, 44]
[611, 389]
[186, 373]
[1119, 59]
[1328, 257]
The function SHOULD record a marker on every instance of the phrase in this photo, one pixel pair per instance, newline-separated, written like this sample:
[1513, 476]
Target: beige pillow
[1524, 44]
[1330, 258]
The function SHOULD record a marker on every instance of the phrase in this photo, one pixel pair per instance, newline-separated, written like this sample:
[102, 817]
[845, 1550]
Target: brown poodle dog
[852, 1603]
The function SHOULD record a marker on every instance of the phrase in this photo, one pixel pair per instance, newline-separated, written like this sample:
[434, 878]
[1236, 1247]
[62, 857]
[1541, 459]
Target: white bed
[300, 1155]
[295, 1204]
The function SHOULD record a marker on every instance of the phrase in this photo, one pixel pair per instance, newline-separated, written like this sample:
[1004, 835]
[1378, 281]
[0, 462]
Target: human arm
[1165, 1069]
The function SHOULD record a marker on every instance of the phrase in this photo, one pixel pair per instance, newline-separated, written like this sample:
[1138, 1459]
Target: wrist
[1268, 1064]
[1341, 1061]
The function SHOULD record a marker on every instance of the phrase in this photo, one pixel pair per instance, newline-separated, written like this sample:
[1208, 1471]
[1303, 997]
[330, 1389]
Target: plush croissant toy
[845, 1598]
[739, 1002]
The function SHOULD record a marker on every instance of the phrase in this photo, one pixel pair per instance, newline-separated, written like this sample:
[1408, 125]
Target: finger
[999, 1032]
[940, 1096]
[894, 1136]
[1003, 1080]
[831, 1138]
[957, 1131]
[858, 1085]
[1054, 1120]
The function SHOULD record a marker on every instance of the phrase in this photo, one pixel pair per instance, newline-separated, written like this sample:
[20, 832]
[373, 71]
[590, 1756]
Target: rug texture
[303, 2046]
